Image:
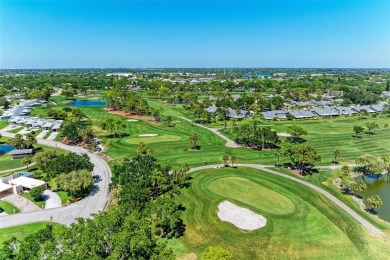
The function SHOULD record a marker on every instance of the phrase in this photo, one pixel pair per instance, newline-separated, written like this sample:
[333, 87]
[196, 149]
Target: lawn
[313, 228]
[6, 162]
[329, 134]
[64, 196]
[172, 144]
[8, 207]
[40, 204]
[20, 232]
[3, 123]
[16, 130]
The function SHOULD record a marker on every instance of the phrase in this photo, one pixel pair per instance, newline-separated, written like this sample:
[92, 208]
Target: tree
[371, 164]
[225, 159]
[26, 161]
[36, 193]
[113, 125]
[374, 202]
[296, 132]
[77, 183]
[336, 154]
[233, 160]
[363, 113]
[142, 149]
[216, 253]
[359, 186]
[357, 130]
[194, 138]
[168, 120]
[371, 126]
[345, 169]
[302, 155]
[278, 153]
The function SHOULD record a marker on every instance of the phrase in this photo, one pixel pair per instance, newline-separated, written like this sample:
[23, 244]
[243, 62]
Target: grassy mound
[253, 194]
[315, 228]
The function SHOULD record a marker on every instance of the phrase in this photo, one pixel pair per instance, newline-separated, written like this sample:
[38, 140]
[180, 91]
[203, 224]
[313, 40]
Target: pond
[6, 149]
[87, 103]
[378, 185]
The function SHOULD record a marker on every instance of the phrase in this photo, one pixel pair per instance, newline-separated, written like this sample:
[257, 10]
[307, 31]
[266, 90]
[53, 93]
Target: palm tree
[336, 154]
[233, 160]
[169, 120]
[278, 153]
[225, 159]
[26, 161]
[374, 202]
[194, 138]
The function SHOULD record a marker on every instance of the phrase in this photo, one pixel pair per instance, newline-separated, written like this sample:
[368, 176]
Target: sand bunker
[240, 217]
[132, 120]
[147, 135]
[284, 134]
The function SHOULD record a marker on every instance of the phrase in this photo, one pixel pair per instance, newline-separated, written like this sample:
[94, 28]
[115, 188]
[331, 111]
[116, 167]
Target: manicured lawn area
[8, 207]
[327, 135]
[3, 123]
[6, 162]
[40, 204]
[253, 194]
[16, 130]
[20, 232]
[65, 197]
[315, 228]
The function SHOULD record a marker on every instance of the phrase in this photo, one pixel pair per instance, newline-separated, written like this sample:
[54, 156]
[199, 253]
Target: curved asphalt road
[374, 230]
[94, 203]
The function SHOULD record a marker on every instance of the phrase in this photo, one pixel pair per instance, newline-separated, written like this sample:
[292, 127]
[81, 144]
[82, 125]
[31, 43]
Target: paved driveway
[52, 199]
[21, 203]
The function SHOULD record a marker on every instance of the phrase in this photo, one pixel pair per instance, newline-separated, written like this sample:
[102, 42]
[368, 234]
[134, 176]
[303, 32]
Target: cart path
[374, 230]
[95, 202]
[229, 142]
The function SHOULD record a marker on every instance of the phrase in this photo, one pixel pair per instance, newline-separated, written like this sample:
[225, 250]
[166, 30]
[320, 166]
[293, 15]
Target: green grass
[8, 207]
[6, 162]
[316, 227]
[65, 197]
[154, 139]
[3, 123]
[329, 134]
[16, 130]
[20, 232]
[253, 194]
[47, 135]
[40, 204]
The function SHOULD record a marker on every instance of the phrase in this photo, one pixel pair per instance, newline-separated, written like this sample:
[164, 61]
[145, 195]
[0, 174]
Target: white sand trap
[284, 134]
[147, 135]
[132, 120]
[240, 217]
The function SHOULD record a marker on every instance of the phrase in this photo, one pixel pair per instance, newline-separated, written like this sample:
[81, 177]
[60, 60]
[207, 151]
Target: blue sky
[103, 34]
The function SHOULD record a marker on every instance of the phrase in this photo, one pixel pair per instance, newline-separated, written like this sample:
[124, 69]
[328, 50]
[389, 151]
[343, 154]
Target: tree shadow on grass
[116, 136]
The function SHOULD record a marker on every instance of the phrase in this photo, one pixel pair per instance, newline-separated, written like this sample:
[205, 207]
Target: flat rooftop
[27, 182]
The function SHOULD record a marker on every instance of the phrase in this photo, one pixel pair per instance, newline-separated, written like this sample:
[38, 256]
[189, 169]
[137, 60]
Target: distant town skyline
[214, 34]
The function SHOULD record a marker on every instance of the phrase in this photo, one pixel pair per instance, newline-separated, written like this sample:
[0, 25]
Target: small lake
[377, 185]
[87, 103]
[6, 149]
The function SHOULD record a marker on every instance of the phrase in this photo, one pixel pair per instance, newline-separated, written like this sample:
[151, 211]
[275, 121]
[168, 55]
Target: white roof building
[27, 182]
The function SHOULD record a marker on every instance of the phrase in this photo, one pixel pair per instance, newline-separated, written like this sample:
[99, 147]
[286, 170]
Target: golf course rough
[301, 223]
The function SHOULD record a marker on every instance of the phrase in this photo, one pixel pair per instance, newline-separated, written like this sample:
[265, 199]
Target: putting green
[153, 139]
[253, 194]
